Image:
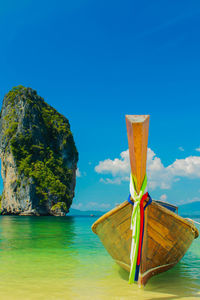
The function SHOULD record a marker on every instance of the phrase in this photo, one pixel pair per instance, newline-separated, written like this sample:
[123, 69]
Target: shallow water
[61, 258]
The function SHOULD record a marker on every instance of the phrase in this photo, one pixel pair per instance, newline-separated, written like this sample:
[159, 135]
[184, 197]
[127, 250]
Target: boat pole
[137, 131]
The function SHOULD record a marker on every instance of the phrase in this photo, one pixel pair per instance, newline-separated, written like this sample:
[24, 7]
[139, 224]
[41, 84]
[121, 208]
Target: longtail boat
[163, 236]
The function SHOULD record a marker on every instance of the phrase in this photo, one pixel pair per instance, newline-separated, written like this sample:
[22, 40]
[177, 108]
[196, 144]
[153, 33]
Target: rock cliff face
[38, 156]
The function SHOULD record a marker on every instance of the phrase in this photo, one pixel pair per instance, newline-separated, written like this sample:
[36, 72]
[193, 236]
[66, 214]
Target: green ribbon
[135, 224]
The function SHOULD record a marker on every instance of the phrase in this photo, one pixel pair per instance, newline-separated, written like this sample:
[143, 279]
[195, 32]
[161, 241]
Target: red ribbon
[144, 197]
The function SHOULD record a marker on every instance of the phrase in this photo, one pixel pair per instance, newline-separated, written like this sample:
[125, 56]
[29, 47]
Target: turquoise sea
[61, 258]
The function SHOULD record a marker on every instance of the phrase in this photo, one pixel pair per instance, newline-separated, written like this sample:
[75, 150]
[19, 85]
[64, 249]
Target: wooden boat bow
[167, 236]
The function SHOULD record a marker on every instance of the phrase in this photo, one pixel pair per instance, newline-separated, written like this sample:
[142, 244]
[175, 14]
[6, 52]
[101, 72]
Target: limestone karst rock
[38, 156]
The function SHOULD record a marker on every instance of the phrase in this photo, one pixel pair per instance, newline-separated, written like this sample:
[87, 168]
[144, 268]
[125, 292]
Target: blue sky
[96, 61]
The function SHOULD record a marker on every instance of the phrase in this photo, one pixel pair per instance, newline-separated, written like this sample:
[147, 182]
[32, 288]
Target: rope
[137, 220]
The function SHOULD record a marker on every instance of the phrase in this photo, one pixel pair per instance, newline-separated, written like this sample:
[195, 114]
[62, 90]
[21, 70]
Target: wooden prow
[137, 131]
[166, 236]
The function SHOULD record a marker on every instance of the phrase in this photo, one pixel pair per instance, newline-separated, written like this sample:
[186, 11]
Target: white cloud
[116, 180]
[158, 175]
[198, 149]
[163, 197]
[190, 200]
[118, 166]
[188, 167]
[181, 148]
[77, 206]
[78, 173]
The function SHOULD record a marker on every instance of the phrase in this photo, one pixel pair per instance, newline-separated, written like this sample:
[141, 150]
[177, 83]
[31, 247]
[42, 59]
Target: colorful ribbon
[137, 223]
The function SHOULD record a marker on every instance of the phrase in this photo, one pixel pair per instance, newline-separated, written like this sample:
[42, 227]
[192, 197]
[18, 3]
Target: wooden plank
[162, 249]
[137, 131]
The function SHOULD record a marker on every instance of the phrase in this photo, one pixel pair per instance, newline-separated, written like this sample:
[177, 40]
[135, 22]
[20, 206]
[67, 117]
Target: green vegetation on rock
[42, 145]
[59, 205]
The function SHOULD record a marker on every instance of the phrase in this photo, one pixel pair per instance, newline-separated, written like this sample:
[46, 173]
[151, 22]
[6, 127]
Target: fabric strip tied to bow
[135, 224]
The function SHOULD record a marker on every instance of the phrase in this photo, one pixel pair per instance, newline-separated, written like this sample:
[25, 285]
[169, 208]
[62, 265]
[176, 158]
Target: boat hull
[166, 239]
